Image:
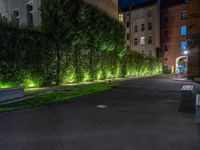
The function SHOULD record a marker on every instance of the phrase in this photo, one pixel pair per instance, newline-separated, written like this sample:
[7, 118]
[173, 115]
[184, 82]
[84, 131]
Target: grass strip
[56, 97]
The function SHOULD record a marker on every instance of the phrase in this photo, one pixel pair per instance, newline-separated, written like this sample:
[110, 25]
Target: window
[150, 52]
[127, 24]
[142, 14]
[149, 13]
[128, 14]
[149, 26]
[165, 19]
[165, 33]
[29, 12]
[15, 15]
[150, 40]
[142, 52]
[121, 18]
[183, 30]
[142, 27]
[128, 36]
[4, 16]
[136, 28]
[183, 15]
[135, 16]
[165, 47]
[142, 40]
[184, 46]
[135, 41]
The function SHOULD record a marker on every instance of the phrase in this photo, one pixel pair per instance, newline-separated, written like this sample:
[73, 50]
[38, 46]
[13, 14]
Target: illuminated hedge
[85, 47]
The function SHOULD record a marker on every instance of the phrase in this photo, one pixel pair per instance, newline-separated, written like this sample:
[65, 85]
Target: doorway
[182, 67]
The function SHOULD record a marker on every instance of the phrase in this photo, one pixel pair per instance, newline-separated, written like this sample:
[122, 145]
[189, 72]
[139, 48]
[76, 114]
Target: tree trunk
[58, 63]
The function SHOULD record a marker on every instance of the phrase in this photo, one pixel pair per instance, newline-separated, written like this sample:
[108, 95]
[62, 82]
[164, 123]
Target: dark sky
[125, 3]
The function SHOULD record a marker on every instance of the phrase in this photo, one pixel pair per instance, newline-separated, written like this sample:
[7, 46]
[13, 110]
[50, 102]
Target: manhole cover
[102, 106]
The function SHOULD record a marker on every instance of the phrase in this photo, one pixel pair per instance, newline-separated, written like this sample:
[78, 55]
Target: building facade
[142, 23]
[108, 6]
[28, 11]
[21, 11]
[174, 37]
[193, 21]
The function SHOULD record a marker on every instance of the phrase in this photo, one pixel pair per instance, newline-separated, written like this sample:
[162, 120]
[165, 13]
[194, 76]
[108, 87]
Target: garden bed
[56, 97]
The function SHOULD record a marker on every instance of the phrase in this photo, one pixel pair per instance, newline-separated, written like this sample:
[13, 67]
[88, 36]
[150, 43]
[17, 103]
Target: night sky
[125, 3]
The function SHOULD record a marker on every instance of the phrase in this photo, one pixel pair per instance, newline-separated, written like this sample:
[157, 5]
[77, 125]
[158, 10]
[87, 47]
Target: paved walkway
[141, 115]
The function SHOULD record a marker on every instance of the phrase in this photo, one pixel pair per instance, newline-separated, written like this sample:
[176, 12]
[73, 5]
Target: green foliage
[52, 98]
[76, 43]
[31, 81]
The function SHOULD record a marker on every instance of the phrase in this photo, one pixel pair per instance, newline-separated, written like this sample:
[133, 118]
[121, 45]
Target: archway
[182, 66]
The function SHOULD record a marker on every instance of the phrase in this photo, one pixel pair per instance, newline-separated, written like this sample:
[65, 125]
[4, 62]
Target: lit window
[142, 40]
[183, 30]
[184, 46]
[15, 15]
[29, 12]
[121, 18]
[183, 15]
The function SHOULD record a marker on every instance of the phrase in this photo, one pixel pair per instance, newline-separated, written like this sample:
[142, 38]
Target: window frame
[135, 41]
[142, 27]
[30, 2]
[150, 27]
[150, 39]
[183, 15]
[136, 28]
[183, 30]
[142, 40]
[150, 13]
[16, 18]
[184, 46]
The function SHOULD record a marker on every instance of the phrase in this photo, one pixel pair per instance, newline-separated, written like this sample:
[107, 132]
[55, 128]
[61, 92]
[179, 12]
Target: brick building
[174, 35]
[193, 21]
[172, 19]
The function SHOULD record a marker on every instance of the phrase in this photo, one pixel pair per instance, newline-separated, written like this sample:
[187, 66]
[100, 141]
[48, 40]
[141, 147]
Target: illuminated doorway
[182, 66]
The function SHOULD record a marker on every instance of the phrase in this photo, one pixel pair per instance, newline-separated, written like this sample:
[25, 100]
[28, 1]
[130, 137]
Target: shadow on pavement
[198, 128]
[187, 107]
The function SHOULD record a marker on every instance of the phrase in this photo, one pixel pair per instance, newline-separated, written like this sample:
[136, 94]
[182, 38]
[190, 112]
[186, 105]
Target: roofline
[179, 3]
[140, 5]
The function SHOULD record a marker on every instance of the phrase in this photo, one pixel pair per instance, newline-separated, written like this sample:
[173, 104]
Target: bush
[90, 46]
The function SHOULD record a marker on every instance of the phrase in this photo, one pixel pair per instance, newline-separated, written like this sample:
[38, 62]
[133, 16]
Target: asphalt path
[141, 114]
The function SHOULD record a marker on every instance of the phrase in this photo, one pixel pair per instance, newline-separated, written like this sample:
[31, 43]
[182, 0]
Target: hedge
[91, 49]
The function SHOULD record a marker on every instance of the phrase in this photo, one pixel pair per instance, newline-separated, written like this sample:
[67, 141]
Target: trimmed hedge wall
[94, 50]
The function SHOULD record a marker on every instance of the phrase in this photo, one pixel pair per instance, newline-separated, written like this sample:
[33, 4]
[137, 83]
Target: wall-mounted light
[186, 52]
